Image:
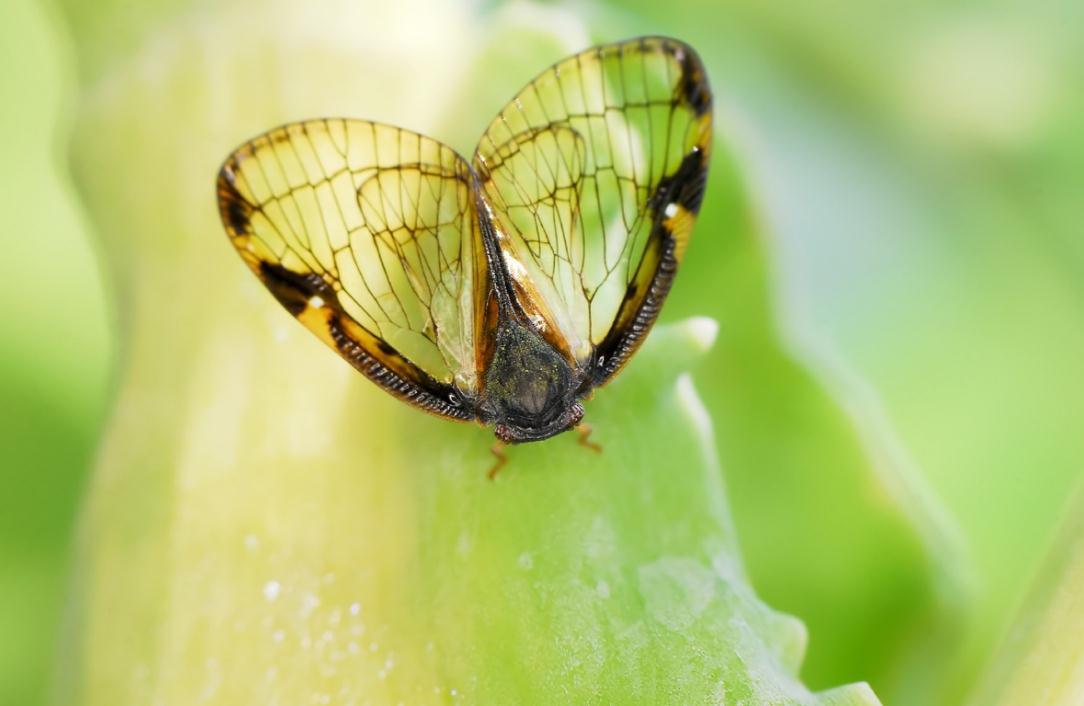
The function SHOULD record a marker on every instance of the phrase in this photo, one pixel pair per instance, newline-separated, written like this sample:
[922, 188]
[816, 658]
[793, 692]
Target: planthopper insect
[503, 289]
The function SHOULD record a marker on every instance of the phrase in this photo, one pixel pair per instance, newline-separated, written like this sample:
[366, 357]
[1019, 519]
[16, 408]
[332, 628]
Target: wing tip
[693, 88]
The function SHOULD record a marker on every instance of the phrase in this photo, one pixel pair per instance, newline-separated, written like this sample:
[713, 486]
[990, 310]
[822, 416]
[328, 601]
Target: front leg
[497, 450]
[583, 431]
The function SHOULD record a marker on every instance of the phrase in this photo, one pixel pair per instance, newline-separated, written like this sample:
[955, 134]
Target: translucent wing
[367, 234]
[594, 173]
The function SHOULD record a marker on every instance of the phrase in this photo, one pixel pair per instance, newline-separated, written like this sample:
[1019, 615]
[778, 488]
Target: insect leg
[498, 451]
[584, 432]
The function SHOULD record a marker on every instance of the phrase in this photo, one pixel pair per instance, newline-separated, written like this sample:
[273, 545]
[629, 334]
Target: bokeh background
[899, 389]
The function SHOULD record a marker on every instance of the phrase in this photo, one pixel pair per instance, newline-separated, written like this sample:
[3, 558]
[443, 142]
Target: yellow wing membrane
[368, 234]
[594, 173]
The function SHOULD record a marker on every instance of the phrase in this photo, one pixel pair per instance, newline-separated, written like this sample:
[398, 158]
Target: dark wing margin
[674, 208]
[367, 234]
[595, 172]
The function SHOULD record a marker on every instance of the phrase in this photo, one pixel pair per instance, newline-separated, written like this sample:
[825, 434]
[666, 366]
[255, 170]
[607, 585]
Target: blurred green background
[899, 389]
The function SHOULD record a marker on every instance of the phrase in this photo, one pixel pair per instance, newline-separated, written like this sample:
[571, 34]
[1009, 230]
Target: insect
[503, 289]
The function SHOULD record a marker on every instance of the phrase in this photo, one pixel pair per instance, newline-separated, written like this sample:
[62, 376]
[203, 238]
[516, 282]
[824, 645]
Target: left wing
[367, 233]
[595, 172]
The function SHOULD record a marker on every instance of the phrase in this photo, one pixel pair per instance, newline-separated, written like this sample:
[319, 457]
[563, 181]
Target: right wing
[595, 172]
[367, 234]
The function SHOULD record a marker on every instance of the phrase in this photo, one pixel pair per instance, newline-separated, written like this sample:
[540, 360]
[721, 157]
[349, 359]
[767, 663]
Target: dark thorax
[530, 389]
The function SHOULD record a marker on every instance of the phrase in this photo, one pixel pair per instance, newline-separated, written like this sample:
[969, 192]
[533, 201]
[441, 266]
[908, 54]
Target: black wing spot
[685, 186]
[294, 290]
[694, 88]
[236, 211]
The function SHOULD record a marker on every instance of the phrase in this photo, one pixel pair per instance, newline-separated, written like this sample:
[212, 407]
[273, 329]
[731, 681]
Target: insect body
[506, 289]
